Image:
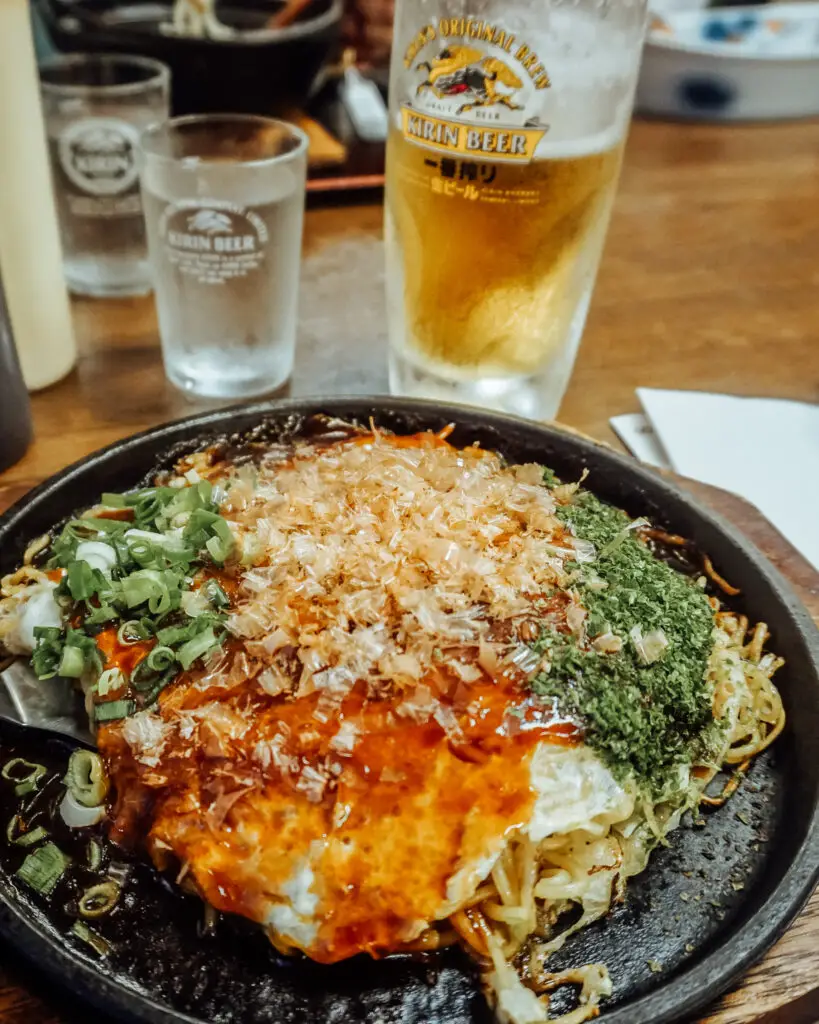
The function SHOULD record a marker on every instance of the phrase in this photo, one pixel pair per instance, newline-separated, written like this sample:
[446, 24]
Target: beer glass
[95, 107]
[507, 125]
[224, 205]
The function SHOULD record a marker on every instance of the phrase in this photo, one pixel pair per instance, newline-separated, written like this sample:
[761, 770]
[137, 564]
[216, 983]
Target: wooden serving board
[782, 989]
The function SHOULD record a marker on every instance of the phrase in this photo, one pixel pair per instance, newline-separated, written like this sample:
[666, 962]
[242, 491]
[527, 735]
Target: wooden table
[709, 281]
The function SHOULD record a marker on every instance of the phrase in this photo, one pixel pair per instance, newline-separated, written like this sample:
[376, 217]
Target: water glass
[224, 204]
[96, 106]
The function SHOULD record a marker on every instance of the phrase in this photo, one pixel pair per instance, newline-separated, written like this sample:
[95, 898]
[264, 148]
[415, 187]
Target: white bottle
[30, 253]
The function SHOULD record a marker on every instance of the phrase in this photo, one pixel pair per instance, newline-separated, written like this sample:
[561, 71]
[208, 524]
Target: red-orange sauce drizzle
[404, 811]
[406, 791]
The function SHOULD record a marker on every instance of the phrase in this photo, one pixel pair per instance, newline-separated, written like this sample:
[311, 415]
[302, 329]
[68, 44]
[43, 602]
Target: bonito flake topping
[371, 558]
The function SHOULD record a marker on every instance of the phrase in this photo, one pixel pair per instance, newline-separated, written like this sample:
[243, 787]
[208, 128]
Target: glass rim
[296, 30]
[154, 130]
[161, 74]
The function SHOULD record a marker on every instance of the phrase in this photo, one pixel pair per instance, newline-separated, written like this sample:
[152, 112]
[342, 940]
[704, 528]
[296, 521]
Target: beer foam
[555, 148]
[580, 50]
[591, 63]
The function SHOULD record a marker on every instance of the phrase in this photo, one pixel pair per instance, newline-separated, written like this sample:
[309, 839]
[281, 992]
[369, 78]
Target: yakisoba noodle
[463, 691]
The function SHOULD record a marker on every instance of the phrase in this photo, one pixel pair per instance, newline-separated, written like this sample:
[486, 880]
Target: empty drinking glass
[96, 106]
[224, 204]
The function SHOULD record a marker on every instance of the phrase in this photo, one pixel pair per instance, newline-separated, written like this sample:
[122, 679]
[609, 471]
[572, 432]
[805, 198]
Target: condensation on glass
[224, 206]
[96, 106]
[507, 128]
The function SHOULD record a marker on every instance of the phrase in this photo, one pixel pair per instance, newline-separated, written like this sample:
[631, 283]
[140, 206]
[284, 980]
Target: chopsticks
[288, 14]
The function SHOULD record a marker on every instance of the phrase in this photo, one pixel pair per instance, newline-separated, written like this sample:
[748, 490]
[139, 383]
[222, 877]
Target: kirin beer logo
[478, 94]
[210, 222]
[213, 241]
[467, 73]
[98, 155]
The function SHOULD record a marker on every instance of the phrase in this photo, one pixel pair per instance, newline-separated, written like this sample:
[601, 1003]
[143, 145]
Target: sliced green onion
[221, 529]
[191, 499]
[100, 525]
[11, 769]
[149, 684]
[80, 653]
[112, 500]
[160, 554]
[202, 518]
[28, 780]
[196, 648]
[81, 580]
[94, 855]
[100, 899]
[143, 552]
[75, 815]
[130, 632]
[149, 504]
[178, 634]
[160, 603]
[173, 635]
[159, 588]
[47, 633]
[160, 659]
[177, 557]
[217, 549]
[141, 585]
[48, 651]
[111, 679]
[85, 778]
[215, 594]
[64, 547]
[21, 838]
[103, 612]
[72, 663]
[222, 542]
[91, 938]
[143, 676]
[32, 837]
[209, 530]
[113, 709]
[43, 869]
[204, 491]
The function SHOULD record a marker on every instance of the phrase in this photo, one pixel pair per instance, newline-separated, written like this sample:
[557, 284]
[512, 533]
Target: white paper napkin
[764, 449]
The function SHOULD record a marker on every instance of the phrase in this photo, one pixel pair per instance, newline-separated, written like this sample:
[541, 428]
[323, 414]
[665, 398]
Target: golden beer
[507, 125]
[495, 259]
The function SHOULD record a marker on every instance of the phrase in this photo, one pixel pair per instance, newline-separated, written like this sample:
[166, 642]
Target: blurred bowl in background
[735, 64]
[259, 70]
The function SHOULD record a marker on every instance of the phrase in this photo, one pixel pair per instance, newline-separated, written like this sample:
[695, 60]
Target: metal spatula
[50, 704]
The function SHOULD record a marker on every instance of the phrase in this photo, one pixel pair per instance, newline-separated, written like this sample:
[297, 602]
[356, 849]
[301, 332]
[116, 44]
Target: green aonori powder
[643, 718]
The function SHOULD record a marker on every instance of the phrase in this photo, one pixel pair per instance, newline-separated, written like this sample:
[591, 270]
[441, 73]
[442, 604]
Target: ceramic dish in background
[706, 908]
[258, 70]
[732, 64]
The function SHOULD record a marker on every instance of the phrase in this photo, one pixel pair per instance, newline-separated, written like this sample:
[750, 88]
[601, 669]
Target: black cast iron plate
[705, 909]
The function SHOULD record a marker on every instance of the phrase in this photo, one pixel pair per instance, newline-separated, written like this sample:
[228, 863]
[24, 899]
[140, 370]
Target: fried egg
[336, 848]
